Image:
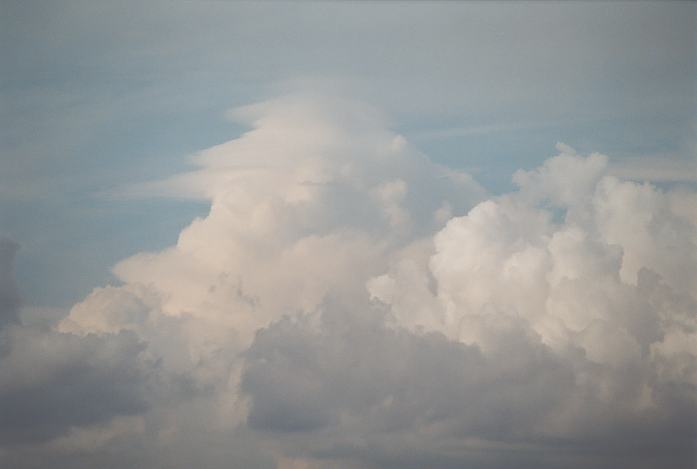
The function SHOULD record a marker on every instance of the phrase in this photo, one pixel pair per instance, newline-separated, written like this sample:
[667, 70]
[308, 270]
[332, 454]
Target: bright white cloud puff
[348, 303]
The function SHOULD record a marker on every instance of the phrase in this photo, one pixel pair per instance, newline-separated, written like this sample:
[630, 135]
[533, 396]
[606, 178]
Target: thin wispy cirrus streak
[348, 303]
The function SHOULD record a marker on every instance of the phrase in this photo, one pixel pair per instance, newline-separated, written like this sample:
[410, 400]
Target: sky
[348, 234]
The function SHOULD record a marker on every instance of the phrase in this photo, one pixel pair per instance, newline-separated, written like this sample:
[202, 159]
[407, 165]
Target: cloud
[599, 272]
[344, 385]
[312, 200]
[9, 296]
[659, 168]
[158, 77]
[346, 378]
[52, 383]
[348, 303]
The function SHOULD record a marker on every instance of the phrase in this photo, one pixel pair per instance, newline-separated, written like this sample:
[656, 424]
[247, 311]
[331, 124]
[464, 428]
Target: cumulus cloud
[597, 271]
[348, 303]
[311, 201]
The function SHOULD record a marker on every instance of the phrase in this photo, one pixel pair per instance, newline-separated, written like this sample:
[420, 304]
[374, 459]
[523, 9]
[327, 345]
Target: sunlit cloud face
[346, 302]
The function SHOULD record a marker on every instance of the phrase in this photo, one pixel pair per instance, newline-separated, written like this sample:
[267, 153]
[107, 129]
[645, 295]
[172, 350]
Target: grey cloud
[351, 386]
[51, 382]
[9, 296]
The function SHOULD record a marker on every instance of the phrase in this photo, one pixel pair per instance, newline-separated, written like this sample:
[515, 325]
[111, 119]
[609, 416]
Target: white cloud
[546, 326]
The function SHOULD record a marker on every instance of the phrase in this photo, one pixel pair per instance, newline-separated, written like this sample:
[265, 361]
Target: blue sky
[99, 95]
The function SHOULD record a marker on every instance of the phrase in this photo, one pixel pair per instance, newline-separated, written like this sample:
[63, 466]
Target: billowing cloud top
[349, 303]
